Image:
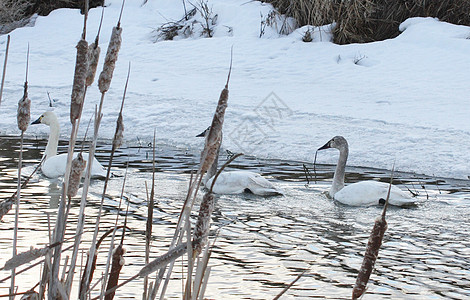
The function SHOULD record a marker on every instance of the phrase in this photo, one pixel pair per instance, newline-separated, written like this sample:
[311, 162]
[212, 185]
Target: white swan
[54, 165]
[237, 182]
[361, 193]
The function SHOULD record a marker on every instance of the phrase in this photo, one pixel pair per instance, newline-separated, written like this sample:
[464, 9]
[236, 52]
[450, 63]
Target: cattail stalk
[117, 136]
[201, 235]
[4, 68]
[76, 106]
[114, 277]
[213, 140]
[23, 118]
[158, 263]
[372, 250]
[148, 227]
[108, 68]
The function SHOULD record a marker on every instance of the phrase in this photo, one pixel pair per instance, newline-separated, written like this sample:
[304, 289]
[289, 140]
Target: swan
[54, 165]
[363, 193]
[237, 182]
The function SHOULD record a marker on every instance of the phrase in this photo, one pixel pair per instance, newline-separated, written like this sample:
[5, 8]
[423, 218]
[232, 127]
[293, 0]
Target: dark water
[263, 243]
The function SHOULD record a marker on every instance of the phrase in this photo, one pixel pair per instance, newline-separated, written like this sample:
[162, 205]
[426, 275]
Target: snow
[402, 100]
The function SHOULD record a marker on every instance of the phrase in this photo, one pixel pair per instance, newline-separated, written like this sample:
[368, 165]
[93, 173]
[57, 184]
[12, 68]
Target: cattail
[93, 58]
[110, 61]
[79, 80]
[118, 262]
[201, 231]
[214, 137]
[25, 257]
[372, 251]
[24, 110]
[118, 136]
[78, 165]
[163, 260]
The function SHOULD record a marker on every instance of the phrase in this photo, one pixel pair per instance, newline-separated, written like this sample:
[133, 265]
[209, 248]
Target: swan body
[363, 193]
[366, 193]
[237, 182]
[54, 165]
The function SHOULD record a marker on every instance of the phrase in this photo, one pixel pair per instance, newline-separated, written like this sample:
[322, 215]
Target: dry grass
[360, 21]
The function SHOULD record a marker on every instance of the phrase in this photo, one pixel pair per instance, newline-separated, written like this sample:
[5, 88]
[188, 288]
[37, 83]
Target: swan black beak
[204, 133]
[38, 121]
[326, 146]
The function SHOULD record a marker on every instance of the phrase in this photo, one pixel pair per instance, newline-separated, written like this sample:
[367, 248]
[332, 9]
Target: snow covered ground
[404, 99]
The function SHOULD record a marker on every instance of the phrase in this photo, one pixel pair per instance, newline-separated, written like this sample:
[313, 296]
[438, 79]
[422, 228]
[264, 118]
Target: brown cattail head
[201, 230]
[116, 266]
[79, 80]
[93, 57]
[118, 136]
[214, 137]
[78, 165]
[24, 110]
[372, 251]
[110, 61]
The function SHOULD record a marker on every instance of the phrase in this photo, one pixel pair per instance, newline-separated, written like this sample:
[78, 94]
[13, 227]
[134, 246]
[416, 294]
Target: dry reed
[4, 68]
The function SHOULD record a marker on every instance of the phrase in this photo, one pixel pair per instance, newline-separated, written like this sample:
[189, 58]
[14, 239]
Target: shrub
[359, 21]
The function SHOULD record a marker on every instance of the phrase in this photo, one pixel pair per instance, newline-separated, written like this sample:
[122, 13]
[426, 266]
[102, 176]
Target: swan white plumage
[54, 165]
[363, 193]
[237, 182]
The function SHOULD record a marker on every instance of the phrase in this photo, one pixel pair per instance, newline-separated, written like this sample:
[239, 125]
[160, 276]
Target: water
[262, 243]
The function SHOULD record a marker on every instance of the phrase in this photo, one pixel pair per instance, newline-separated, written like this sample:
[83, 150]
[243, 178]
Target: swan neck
[52, 143]
[338, 179]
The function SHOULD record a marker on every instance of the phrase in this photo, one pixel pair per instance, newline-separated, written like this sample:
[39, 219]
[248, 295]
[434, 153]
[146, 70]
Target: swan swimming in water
[361, 193]
[237, 182]
[54, 165]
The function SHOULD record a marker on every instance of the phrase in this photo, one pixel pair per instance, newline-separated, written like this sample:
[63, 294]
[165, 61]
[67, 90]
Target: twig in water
[314, 166]
[290, 285]
[307, 174]
[50, 100]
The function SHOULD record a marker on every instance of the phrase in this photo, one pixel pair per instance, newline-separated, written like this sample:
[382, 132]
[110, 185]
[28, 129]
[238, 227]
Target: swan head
[204, 133]
[46, 118]
[338, 142]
